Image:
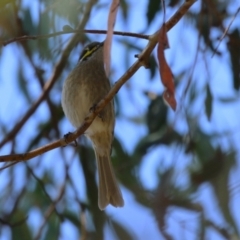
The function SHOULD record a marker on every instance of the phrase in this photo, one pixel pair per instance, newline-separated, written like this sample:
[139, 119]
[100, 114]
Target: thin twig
[42, 185]
[36, 37]
[8, 165]
[226, 31]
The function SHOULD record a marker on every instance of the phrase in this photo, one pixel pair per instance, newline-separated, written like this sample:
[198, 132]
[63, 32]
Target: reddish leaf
[108, 41]
[165, 71]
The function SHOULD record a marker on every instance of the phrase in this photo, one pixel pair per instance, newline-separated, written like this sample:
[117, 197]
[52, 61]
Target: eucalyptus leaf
[208, 102]
[154, 6]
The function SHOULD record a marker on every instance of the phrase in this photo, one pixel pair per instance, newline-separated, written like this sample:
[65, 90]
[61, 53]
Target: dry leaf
[108, 41]
[165, 71]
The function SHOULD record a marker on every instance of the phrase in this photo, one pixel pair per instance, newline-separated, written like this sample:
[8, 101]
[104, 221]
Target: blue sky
[183, 41]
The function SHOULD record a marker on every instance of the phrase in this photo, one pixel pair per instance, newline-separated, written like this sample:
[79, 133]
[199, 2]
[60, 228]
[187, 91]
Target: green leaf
[68, 10]
[202, 145]
[53, 228]
[21, 231]
[122, 232]
[157, 115]
[207, 168]
[124, 6]
[67, 28]
[173, 3]
[227, 99]
[43, 44]
[208, 102]
[3, 3]
[152, 66]
[22, 82]
[128, 166]
[123, 162]
[234, 50]
[28, 23]
[221, 188]
[153, 7]
[73, 217]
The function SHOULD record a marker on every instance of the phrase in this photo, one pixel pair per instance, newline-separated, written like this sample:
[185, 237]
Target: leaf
[161, 136]
[234, 50]
[173, 3]
[157, 115]
[153, 7]
[124, 6]
[221, 188]
[69, 10]
[23, 84]
[207, 168]
[108, 41]
[208, 103]
[67, 28]
[28, 23]
[3, 3]
[73, 217]
[165, 71]
[21, 231]
[122, 232]
[43, 44]
[53, 230]
[200, 144]
[126, 166]
[227, 99]
[152, 66]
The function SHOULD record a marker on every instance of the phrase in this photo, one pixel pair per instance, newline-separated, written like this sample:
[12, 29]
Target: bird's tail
[108, 190]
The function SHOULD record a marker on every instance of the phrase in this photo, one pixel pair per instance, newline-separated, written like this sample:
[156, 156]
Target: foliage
[55, 195]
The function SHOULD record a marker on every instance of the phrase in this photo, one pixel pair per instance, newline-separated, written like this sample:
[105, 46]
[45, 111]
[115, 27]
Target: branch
[226, 31]
[142, 59]
[36, 37]
[56, 73]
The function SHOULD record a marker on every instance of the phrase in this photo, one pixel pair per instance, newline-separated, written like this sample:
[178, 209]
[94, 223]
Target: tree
[180, 167]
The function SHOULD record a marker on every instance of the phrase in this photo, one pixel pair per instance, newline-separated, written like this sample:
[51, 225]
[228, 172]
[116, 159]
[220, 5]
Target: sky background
[183, 40]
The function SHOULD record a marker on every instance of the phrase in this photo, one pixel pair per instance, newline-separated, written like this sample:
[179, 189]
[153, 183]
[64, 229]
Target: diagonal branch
[56, 73]
[142, 60]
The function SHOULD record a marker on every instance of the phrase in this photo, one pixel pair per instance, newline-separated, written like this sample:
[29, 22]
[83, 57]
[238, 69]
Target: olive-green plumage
[85, 86]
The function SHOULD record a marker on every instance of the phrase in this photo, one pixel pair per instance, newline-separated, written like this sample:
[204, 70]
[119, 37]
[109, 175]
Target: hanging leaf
[208, 103]
[165, 71]
[108, 41]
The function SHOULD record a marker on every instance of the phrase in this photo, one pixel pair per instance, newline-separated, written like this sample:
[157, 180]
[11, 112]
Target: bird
[84, 87]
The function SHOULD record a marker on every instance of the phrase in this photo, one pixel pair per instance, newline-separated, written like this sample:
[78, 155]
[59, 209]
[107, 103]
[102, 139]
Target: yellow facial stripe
[89, 52]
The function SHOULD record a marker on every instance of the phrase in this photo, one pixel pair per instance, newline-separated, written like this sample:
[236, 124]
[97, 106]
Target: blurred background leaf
[179, 172]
